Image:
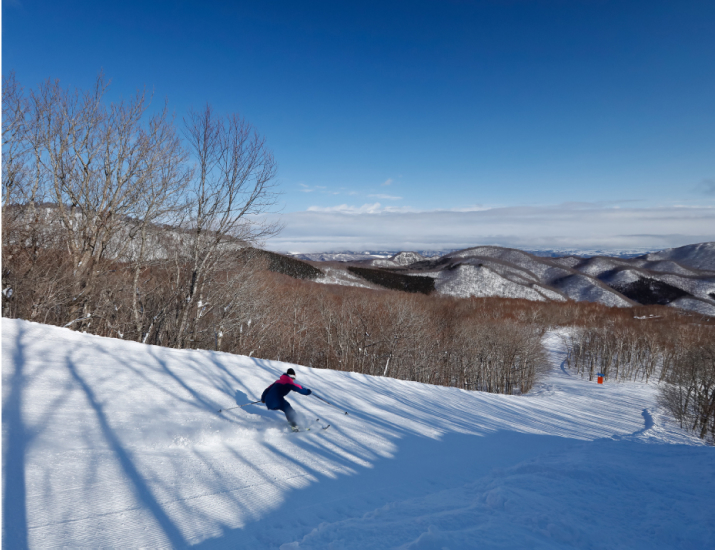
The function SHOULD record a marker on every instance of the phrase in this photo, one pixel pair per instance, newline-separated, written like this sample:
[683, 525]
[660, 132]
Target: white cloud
[373, 226]
[388, 181]
[345, 209]
[374, 208]
[473, 208]
[386, 197]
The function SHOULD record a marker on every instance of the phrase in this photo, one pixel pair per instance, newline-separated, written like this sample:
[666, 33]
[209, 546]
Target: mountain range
[682, 277]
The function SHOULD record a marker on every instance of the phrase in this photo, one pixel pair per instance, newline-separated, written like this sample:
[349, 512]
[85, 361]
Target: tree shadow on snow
[16, 441]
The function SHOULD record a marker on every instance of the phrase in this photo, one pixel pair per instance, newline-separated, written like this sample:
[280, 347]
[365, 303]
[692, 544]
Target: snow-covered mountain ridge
[108, 443]
[682, 277]
[352, 255]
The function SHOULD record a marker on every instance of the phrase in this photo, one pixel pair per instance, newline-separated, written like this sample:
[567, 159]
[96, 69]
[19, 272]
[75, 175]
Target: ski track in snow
[114, 444]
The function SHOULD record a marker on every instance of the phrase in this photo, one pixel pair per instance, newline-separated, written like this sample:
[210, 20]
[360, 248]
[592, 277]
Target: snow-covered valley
[115, 444]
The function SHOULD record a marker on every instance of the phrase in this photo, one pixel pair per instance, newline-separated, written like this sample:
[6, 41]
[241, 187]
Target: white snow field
[113, 444]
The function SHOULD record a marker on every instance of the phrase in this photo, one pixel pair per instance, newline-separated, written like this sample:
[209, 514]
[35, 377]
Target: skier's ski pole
[241, 406]
[328, 402]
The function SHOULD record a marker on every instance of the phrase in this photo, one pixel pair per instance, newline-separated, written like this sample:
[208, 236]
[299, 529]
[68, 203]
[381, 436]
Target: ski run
[114, 444]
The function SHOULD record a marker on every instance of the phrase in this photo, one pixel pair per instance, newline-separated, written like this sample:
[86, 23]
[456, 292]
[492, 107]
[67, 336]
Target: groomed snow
[115, 444]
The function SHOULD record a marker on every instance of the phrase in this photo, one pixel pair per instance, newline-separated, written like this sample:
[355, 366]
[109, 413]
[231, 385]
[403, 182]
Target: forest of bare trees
[677, 352]
[121, 221]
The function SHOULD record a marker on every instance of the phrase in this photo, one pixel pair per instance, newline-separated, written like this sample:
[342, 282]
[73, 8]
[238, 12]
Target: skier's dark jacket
[273, 395]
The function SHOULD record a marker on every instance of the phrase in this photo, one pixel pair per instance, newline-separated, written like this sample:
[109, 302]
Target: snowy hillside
[108, 443]
[699, 256]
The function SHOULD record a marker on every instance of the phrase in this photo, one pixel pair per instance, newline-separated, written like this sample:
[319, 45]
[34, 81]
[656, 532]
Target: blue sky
[385, 117]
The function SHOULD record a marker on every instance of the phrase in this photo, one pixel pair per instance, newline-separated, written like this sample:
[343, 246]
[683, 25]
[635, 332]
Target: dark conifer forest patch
[395, 281]
[650, 292]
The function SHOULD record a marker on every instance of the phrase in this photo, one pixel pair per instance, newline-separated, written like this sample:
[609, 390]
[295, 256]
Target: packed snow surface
[112, 444]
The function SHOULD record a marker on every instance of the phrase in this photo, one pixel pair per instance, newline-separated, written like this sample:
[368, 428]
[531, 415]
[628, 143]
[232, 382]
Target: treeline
[437, 340]
[488, 345]
[677, 351]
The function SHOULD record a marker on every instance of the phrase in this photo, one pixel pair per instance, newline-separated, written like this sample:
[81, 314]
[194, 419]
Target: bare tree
[104, 167]
[688, 391]
[14, 148]
[88, 176]
[232, 185]
[162, 200]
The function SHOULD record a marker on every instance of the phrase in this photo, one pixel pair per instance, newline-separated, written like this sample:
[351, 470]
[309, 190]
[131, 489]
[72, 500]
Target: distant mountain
[698, 256]
[351, 256]
[680, 277]
[590, 252]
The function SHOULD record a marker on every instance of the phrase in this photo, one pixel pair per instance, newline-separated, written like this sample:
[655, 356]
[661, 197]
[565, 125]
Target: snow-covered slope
[335, 276]
[698, 256]
[113, 444]
[481, 281]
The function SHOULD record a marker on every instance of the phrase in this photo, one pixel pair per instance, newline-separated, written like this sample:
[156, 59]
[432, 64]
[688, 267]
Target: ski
[322, 427]
[308, 429]
[298, 430]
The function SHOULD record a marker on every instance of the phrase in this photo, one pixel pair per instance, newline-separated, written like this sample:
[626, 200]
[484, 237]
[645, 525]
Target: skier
[274, 396]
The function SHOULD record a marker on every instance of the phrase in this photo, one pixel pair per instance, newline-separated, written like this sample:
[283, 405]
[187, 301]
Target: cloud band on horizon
[572, 225]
